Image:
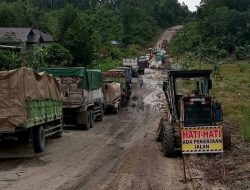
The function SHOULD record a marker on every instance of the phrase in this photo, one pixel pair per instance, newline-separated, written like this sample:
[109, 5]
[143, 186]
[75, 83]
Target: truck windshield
[191, 86]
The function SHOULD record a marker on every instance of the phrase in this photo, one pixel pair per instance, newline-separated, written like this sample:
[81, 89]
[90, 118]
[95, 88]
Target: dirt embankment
[207, 170]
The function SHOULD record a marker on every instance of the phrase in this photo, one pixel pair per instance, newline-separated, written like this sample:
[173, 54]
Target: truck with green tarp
[161, 57]
[82, 95]
[30, 110]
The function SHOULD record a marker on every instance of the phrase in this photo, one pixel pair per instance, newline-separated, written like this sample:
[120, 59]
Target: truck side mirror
[210, 84]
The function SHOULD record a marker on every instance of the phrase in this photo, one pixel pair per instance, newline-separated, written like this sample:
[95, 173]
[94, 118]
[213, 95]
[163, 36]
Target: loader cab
[188, 96]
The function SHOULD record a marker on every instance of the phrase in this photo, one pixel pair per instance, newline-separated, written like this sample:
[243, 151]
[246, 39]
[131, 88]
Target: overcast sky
[191, 4]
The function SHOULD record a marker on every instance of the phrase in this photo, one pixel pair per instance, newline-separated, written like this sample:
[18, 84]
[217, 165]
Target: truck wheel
[226, 138]
[38, 139]
[87, 125]
[92, 118]
[100, 117]
[167, 143]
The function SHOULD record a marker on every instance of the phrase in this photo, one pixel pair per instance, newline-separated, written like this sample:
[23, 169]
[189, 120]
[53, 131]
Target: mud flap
[16, 149]
[82, 118]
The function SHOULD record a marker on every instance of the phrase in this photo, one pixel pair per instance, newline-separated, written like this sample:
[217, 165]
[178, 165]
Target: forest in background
[218, 29]
[83, 29]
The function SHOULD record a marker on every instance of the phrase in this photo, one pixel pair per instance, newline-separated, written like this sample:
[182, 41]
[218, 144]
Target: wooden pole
[224, 176]
[184, 168]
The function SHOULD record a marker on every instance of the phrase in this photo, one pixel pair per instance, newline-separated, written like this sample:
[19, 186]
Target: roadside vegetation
[232, 88]
[84, 29]
[217, 37]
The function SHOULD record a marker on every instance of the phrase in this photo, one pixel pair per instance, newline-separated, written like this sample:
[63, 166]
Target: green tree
[57, 54]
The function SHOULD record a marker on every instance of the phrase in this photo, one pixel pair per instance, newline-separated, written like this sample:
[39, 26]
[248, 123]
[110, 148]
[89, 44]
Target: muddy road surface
[119, 153]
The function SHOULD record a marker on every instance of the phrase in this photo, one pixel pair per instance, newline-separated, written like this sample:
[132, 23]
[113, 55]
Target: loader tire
[158, 137]
[38, 139]
[226, 138]
[168, 141]
[159, 131]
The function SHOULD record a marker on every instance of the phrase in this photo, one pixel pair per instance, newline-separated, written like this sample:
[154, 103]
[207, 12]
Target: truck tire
[167, 143]
[100, 117]
[226, 138]
[86, 126]
[92, 118]
[38, 139]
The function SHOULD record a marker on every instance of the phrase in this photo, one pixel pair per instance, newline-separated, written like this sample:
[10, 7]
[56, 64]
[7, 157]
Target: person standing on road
[141, 81]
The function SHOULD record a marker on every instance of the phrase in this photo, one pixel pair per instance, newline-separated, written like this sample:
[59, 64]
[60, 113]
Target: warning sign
[202, 140]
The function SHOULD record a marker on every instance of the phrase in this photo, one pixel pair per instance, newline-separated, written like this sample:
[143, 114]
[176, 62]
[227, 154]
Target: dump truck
[128, 72]
[191, 112]
[112, 96]
[164, 44]
[30, 110]
[142, 64]
[119, 76]
[132, 63]
[82, 95]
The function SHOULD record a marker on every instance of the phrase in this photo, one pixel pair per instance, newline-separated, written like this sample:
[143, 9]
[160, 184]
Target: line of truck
[35, 105]
[39, 104]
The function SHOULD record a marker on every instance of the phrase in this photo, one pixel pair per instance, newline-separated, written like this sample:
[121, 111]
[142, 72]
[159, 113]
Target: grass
[232, 89]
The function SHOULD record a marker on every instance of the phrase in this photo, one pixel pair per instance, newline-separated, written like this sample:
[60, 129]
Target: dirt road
[118, 153]
[167, 35]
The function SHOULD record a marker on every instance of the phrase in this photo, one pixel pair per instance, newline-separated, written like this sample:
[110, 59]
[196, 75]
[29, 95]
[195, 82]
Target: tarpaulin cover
[19, 86]
[65, 72]
[68, 72]
[94, 78]
[112, 92]
[91, 78]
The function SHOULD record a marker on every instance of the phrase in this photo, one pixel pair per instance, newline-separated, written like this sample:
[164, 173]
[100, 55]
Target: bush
[9, 60]
[115, 53]
[57, 54]
[241, 52]
[106, 64]
[133, 51]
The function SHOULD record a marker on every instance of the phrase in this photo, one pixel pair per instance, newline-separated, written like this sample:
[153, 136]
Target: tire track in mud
[120, 141]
